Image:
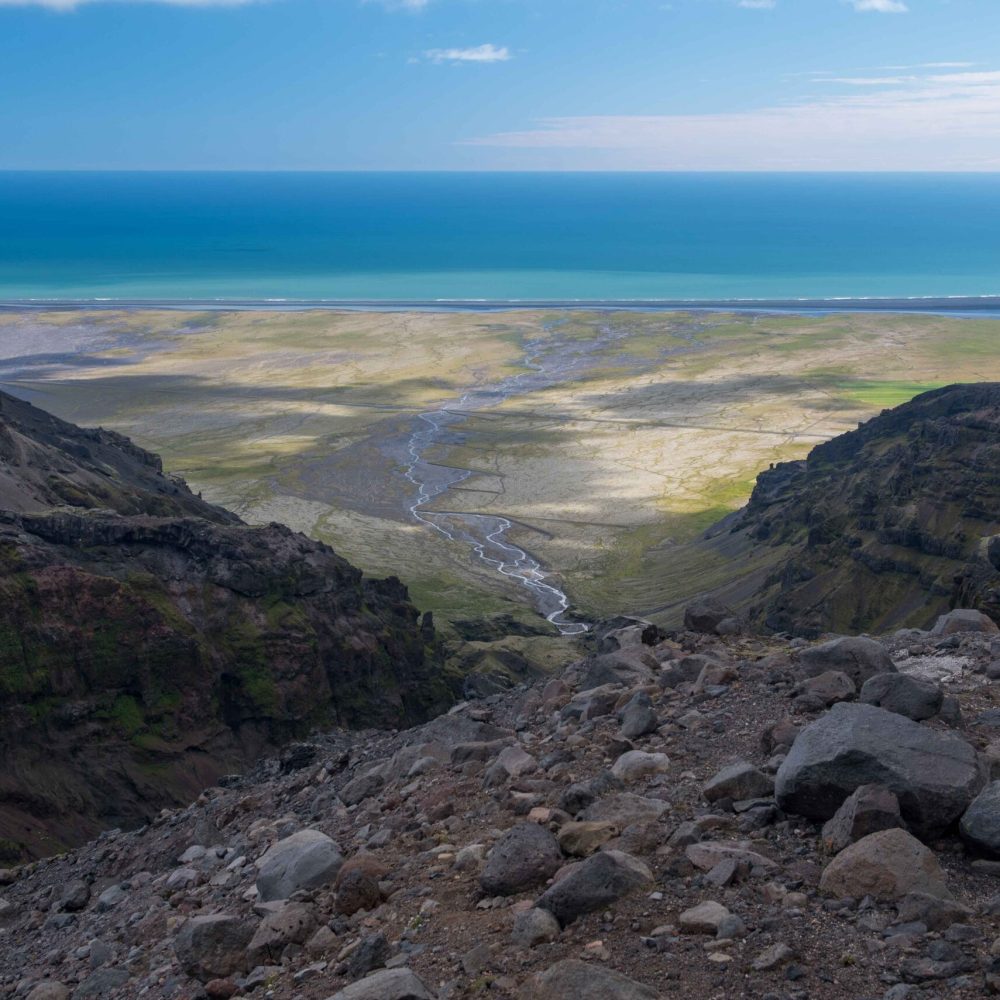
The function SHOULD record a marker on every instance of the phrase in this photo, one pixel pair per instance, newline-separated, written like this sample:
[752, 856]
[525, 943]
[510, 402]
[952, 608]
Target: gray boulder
[638, 717]
[706, 615]
[738, 781]
[934, 775]
[866, 810]
[915, 697]
[213, 947]
[524, 856]
[584, 981]
[305, 860]
[964, 620]
[389, 984]
[980, 825]
[857, 656]
[594, 884]
[534, 927]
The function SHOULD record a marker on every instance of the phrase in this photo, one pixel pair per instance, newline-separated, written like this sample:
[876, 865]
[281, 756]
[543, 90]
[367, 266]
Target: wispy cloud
[880, 6]
[928, 121]
[487, 53]
[758, 4]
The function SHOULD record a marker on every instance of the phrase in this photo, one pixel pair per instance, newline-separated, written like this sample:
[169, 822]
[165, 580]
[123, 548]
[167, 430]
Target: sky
[798, 85]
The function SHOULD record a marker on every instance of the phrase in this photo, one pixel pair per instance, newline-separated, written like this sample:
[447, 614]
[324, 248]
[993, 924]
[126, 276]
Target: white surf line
[515, 563]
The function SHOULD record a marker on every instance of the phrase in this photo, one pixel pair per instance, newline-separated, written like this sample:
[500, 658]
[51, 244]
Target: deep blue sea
[427, 237]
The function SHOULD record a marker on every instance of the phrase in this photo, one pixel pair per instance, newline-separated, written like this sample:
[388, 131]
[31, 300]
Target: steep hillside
[883, 527]
[150, 642]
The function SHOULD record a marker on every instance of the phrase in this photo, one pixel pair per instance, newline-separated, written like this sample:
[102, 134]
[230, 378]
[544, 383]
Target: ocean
[493, 238]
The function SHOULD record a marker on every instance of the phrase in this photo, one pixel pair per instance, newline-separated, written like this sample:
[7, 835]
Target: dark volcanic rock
[706, 615]
[934, 775]
[887, 526]
[980, 825]
[152, 642]
[523, 857]
[856, 656]
[594, 884]
[915, 697]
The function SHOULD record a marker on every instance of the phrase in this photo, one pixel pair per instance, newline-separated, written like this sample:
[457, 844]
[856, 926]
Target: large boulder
[934, 775]
[886, 865]
[388, 984]
[584, 981]
[738, 781]
[857, 656]
[594, 884]
[706, 615]
[305, 860]
[294, 923]
[964, 620]
[915, 697]
[524, 856]
[213, 947]
[980, 825]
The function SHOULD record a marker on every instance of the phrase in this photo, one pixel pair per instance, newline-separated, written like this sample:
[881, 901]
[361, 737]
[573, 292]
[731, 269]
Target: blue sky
[500, 84]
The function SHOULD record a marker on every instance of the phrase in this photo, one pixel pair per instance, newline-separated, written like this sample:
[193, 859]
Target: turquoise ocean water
[424, 238]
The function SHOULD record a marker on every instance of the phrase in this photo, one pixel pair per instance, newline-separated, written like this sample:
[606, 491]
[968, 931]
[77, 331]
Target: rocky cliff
[886, 526]
[150, 642]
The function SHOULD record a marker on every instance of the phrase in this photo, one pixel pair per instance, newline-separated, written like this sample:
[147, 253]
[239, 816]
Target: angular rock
[572, 978]
[706, 854]
[964, 620]
[534, 927]
[594, 884]
[705, 918]
[388, 984]
[934, 775]
[980, 825]
[915, 697]
[739, 781]
[887, 866]
[294, 923]
[868, 809]
[580, 840]
[357, 890]
[823, 690]
[857, 656]
[936, 913]
[305, 860]
[638, 717]
[75, 896]
[524, 856]
[706, 615]
[624, 809]
[213, 947]
[633, 765]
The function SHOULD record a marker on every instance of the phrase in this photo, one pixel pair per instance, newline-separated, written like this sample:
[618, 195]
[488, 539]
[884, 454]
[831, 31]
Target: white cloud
[73, 4]
[931, 121]
[487, 53]
[758, 4]
[880, 6]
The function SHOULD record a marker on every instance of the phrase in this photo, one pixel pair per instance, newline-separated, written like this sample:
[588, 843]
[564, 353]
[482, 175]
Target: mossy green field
[650, 427]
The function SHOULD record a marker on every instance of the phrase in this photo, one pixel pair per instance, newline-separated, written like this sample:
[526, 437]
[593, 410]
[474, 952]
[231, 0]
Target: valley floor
[605, 438]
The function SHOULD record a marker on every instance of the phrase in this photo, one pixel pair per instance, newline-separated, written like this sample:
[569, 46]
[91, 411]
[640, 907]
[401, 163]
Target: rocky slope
[887, 526]
[150, 642]
[687, 816]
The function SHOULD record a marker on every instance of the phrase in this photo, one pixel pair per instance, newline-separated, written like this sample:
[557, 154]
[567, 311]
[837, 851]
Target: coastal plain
[607, 438]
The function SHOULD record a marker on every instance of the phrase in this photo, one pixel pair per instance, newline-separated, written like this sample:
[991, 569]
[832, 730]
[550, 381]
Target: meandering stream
[548, 361]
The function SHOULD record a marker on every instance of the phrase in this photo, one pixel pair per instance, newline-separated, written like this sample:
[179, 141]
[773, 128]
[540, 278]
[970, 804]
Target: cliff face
[879, 528]
[150, 642]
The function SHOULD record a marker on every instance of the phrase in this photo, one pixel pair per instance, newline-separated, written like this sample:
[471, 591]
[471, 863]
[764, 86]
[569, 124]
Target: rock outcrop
[151, 642]
[887, 526]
